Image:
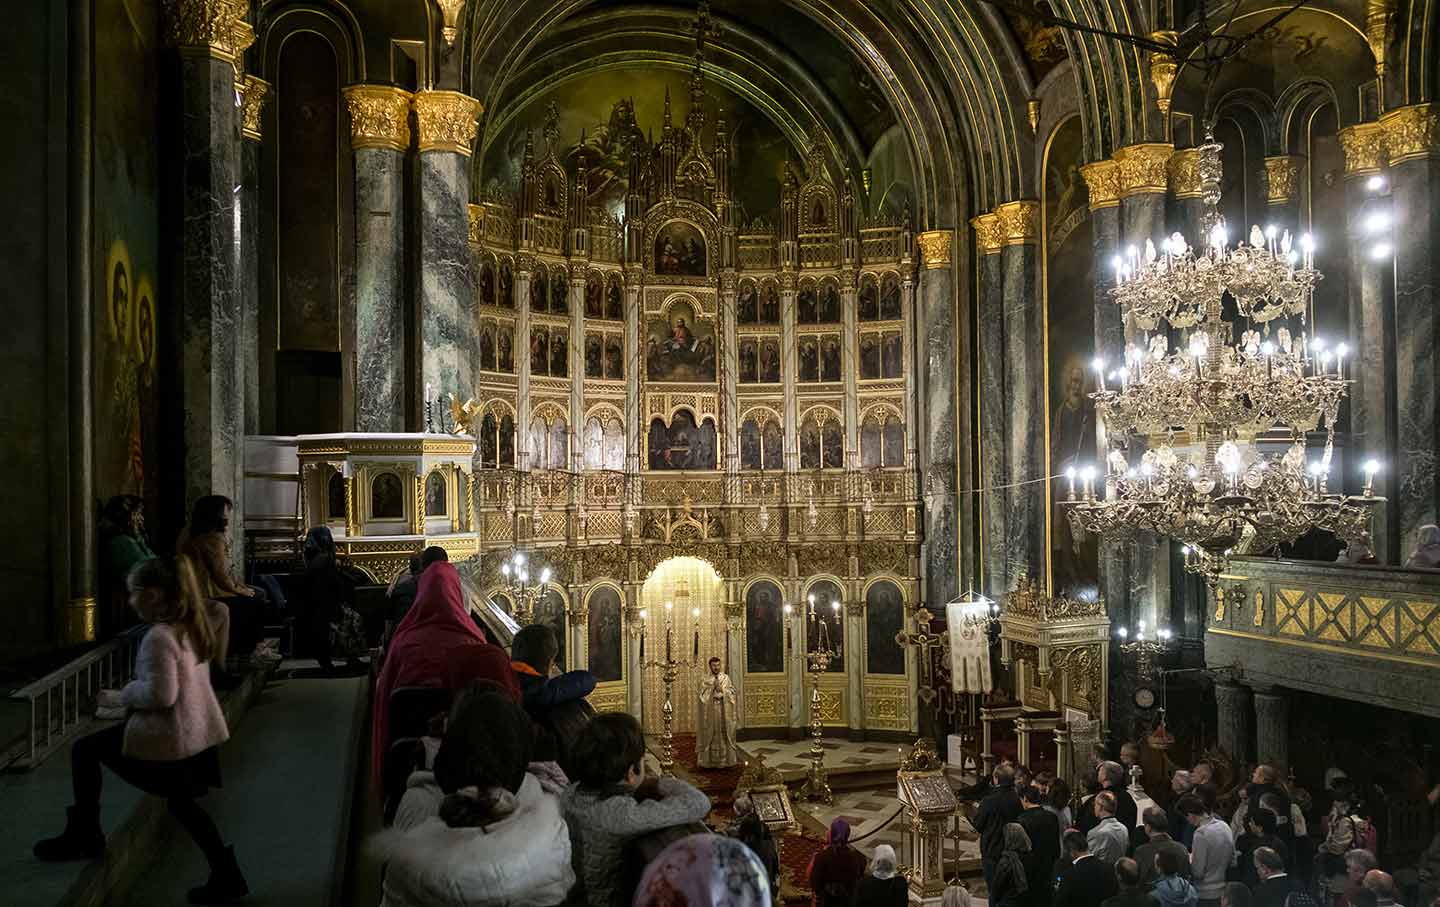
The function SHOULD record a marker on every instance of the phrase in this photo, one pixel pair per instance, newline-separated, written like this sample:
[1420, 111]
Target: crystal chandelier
[1193, 412]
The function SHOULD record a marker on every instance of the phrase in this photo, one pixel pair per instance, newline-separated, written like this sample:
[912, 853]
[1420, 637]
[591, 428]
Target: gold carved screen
[689, 583]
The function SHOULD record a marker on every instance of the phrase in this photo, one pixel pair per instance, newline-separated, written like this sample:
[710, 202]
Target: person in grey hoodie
[1211, 851]
[611, 804]
[1171, 889]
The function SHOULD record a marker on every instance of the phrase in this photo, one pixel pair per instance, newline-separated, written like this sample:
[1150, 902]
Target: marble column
[935, 363]
[446, 122]
[1284, 175]
[524, 270]
[1102, 179]
[1272, 728]
[1232, 709]
[1187, 208]
[204, 174]
[634, 674]
[729, 344]
[1024, 347]
[855, 666]
[1144, 180]
[788, 372]
[634, 424]
[380, 135]
[1412, 138]
[993, 454]
[253, 98]
[1372, 333]
[912, 380]
[849, 369]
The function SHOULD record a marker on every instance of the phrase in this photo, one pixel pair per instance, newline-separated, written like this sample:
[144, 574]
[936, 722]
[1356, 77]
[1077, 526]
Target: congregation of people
[1264, 853]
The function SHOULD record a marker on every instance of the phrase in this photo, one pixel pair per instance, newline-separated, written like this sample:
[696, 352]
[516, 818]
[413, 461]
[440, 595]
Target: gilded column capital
[1184, 168]
[446, 120]
[253, 92]
[1378, 14]
[988, 234]
[475, 227]
[935, 248]
[1364, 147]
[1282, 177]
[213, 27]
[1019, 222]
[1102, 178]
[1163, 68]
[1144, 168]
[379, 116]
[1411, 132]
[450, 14]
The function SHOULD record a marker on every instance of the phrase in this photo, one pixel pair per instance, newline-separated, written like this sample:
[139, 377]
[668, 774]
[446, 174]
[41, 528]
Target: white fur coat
[523, 860]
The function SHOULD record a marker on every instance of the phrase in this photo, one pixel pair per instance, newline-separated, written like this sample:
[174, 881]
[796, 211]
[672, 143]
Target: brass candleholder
[817, 785]
[670, 670]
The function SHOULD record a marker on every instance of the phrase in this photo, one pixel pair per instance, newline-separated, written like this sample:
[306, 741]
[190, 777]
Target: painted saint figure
[715, 742]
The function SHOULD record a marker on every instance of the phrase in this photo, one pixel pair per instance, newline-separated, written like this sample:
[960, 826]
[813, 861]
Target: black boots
[81, 840]
[226, 883]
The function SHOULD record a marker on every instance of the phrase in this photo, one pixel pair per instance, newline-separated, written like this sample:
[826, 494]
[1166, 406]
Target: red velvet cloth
[436, 645]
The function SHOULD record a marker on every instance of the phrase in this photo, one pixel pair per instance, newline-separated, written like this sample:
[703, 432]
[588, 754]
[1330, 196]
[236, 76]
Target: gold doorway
[690, 584]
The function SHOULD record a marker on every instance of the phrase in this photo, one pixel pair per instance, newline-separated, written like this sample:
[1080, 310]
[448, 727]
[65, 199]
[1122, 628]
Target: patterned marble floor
[792, 758]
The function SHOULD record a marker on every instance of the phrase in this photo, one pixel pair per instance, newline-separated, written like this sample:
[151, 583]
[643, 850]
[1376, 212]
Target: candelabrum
[669, 670]
[816, 786]
[1218, 493]
[1146, 646]
[520, 588]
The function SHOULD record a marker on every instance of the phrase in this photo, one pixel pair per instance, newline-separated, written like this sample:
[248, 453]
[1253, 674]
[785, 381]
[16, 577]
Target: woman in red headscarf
[436, 637]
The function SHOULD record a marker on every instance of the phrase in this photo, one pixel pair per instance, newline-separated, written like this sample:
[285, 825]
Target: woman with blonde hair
[168, 743]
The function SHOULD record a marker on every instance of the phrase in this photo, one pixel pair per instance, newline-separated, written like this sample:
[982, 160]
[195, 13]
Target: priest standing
[715, 744]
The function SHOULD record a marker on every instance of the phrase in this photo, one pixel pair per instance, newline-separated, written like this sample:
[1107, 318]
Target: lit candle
[1070, 477]
[788, 644]
[1099, 366]
[695, 617]
[1340, 352]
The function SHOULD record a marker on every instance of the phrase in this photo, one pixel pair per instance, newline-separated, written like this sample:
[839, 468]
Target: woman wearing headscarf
[326, 594]
[1426, 555]
[704, 870]
[751, 831]
[1009, 882]
[436, 631]
[480, 829]
[836, 869]
[883, 887]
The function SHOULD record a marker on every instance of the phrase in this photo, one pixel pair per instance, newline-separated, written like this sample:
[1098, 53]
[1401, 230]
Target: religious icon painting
[807, 305]
[550, 611]
[539, 350]
[894, 442]
[764, 629]
[829, 304]
[539, 291]
[435, 494]
[830, 359]
[680, 347]
[489, 448]
[770, 305]
[387, 500]
[614, 305]
[560, 294]
[892, 356]
[506, 287]
[487, 284]
[559, 353]
[594, 298]
[884, 619]
[890, 298]
[870, 445]
[118, 303]
[505, 354]
[749, 445]
[832, 445]
[770, 361]
[869, 356]
[747, 304]
[749, 361]
[604, 632]
[614, 357]
[145, 324]
[335, 497]
[772, 445]
[809, 356]
[680, 250]
[810, 444]
[507, 440]
[594, 356]
[487, 347]
[869, 300]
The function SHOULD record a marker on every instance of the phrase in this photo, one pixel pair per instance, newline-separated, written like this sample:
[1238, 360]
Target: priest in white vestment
[715, 742]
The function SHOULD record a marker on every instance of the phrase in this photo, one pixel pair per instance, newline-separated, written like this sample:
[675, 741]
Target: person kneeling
[612, 803]
[480, 829]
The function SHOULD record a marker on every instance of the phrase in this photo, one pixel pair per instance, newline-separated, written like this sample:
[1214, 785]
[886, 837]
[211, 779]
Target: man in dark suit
[1260, 831]
[1087, 881]
[1043, 827]
[1276, 885]
[1156, 823]
[1111, 777]
[999, 807]
[1133, 893]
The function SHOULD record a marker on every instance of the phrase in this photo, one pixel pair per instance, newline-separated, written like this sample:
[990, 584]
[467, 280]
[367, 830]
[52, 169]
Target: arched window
[884, 618]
